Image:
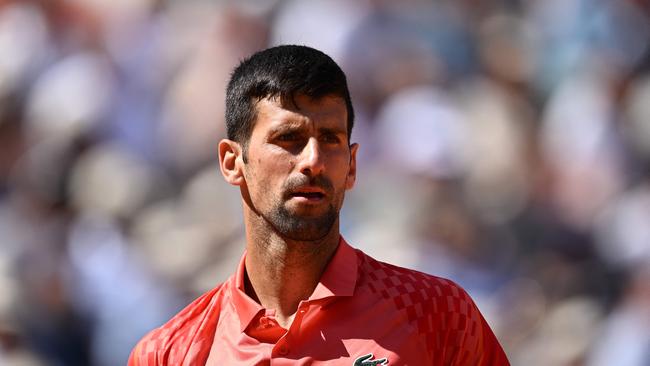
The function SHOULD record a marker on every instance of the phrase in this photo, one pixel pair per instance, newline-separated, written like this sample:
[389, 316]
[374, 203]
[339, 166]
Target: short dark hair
[282, 71]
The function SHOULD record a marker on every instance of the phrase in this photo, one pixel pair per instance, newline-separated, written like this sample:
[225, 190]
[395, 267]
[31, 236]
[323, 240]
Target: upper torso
[362, 311]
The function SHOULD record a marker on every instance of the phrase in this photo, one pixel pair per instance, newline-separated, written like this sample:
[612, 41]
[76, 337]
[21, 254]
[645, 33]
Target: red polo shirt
[362, 312]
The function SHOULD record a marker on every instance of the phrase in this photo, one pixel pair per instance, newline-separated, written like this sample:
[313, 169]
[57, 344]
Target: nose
[311, 159]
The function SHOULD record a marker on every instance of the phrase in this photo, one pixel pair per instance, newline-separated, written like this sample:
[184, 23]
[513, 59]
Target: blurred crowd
[505, 144]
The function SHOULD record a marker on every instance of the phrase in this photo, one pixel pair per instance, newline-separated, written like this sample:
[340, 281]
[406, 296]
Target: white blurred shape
[637, 110]
[23, 41]
[497, 182]
[115, 288]
[564, 335]
[623, 229]
[421, 130]
[322, 24]
[118, 12]
[110, 181]
[578, 144]
[576, 120]
[208, 198]
[70, 97]
[180, 238]
[624, 340]
[174, 250]
[211, 43]
[8, 294]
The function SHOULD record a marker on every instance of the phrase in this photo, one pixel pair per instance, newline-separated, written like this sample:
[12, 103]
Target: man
[301, 294]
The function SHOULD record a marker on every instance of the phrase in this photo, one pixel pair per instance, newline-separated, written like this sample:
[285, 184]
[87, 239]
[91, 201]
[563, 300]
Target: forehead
[328, 111]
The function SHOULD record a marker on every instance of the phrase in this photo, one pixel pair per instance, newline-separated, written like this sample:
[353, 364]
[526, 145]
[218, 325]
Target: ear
[352, 172]
[230, 161]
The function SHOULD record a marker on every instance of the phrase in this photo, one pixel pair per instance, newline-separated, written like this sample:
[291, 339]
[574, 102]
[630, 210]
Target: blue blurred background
[504, 144]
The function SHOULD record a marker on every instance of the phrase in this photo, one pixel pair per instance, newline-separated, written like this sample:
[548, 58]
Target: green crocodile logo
[366, 361]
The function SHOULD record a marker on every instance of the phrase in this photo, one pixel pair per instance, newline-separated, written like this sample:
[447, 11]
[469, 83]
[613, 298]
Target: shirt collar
[338, 279]
[340, 276]
[245, 307]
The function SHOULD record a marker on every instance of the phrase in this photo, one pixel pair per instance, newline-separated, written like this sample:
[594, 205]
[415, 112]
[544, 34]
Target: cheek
[340, 173]
[266, 175]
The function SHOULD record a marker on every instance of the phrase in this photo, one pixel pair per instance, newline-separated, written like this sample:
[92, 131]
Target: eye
[331, 138]
[289, 136]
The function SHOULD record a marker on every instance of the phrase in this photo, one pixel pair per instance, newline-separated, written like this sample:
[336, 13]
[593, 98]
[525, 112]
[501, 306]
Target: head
[281, 72]
[289, 118]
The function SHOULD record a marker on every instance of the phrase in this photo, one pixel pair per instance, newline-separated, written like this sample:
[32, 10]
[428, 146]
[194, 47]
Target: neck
[281, 272]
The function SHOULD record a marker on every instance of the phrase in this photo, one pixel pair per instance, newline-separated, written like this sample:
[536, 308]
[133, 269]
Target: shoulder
[187, 335]
[391, 281]
[444, 316]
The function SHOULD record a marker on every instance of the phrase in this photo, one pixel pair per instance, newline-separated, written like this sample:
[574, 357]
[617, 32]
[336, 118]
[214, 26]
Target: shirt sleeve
[145, 352]
[184, 340]
[490, 351]
[133, 358]
[473, 342]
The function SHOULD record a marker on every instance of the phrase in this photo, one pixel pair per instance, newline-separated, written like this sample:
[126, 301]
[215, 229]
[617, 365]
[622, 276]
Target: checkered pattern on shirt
[184, 340]
[442, 313]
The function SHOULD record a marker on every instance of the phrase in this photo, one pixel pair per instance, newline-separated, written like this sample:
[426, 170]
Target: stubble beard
[305, 227]
[302, 228]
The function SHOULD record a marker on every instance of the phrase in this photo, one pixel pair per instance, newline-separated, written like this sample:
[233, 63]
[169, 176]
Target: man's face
[300, 164]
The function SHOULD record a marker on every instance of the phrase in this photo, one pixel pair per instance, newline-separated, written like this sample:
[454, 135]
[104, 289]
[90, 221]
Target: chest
[355, 332]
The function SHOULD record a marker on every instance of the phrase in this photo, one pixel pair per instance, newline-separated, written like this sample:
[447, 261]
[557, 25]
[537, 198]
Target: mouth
[308, 194]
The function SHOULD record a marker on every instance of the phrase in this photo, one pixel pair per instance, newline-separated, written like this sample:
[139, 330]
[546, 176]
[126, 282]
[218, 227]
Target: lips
[308, 193]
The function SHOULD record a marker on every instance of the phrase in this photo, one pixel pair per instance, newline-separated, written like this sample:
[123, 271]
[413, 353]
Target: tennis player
[301, 294]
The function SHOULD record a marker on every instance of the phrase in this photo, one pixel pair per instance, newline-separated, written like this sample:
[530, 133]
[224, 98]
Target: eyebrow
[329, 130]
[291, 127]
[285, 126]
